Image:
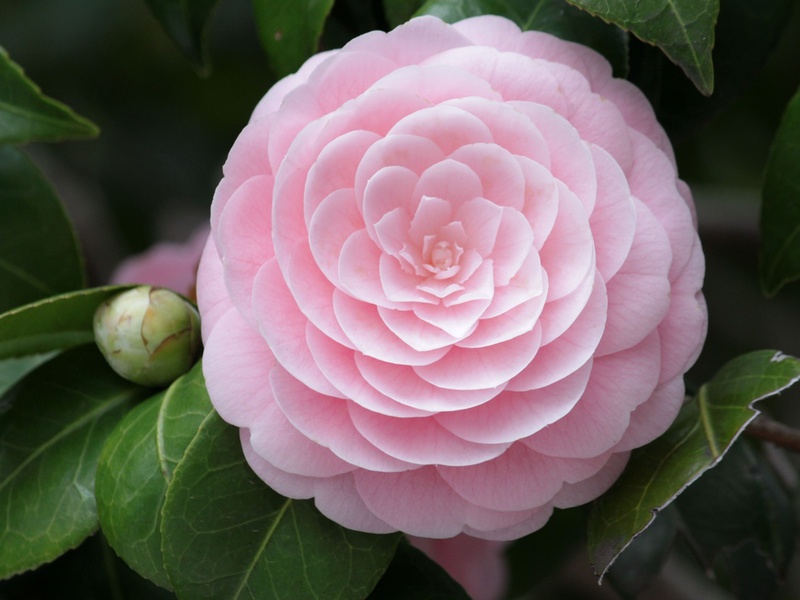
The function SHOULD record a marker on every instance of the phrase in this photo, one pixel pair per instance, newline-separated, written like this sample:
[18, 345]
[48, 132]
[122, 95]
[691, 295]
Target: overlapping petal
[453, 279]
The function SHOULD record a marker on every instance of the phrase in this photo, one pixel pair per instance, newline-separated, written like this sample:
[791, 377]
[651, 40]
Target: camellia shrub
[434, 331]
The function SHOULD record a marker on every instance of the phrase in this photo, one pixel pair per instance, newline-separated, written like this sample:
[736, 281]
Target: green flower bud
[148, 335]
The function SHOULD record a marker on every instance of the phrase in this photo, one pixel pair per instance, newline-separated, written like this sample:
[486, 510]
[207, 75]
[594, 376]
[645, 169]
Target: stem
[764, 428]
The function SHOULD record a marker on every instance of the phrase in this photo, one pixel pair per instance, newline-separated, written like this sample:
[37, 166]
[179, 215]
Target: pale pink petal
[247, 158]
[613, 220]
[456, 320]
[600, 122]
[278, 442]
[431, 215]
[339, 366]
[570, 350]
[365, 328]
[600, 418]
[570, 157]
[509, 324]
[285, 329]
[410, 43]
[478, 565]
[517, 480]
[359, 270]
[653, 181]
[530, 282]
[437, 83]
[569, 251]
[581, 492]
[512, 415]
[334, 221]
[335, 169]
[482, 368]
[559, 315]
[653, 417]
[273, 99]
[512, 131]
[541, 199]
[500, 174]
[449, 180]
[244, 250]
[403, 385]
[411, 152]
[446, 126]
[512, 246]
[400, 286]
[338, 499]
[212, 296]
[236, 365]
[415, 332]
[326, 420]
[170, 265]
[683, 329]
[481, 220]
[639, 294]
[420, 441]
[390, 188]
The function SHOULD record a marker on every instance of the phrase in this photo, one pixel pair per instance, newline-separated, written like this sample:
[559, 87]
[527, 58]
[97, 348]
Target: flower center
[441, 256]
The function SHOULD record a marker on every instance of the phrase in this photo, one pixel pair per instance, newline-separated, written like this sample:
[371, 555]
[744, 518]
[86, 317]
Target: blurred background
[165, 132]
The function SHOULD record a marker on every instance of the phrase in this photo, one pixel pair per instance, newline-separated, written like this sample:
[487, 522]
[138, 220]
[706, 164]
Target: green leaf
[227, 535]
[52, 429]
[634, 569]
[55, 323]
[90, 572]
[412, 574]
[745, 35]
[683, 29]
[740, 512]
[703, 431]
[290, 30]
[186, 22]
[14, 369]
[551, 16]
[136, 466]
[39, 253]
[399, 11]
[451, 11]
[780, 210]
[27, 115]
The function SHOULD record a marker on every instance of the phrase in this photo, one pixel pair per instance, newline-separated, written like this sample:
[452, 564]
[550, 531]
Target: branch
[764, 428]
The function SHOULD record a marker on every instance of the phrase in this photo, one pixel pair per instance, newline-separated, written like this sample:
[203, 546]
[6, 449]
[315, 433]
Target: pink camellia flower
[453, 280]
[167, 264]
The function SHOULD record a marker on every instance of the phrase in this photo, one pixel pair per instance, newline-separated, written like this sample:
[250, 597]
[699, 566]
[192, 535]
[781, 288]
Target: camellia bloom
[453, 279]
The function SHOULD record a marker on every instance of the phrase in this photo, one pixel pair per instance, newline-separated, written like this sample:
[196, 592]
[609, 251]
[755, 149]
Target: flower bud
[148, 335]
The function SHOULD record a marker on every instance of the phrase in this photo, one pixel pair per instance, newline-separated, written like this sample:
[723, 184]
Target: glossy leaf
[411, 574]
[451, 11]
[400, 11]
[27, 115]
[227, 535]
[780, 211]
[136, 466]
[290, 30]
[551, 16]
[54, 323]
[39, 254]
[52, 430]
[186, 22]
[634, 569]
[705, 428]
[745, 35]
[14, 369]
[739, 513]
[683, 29]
